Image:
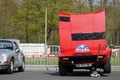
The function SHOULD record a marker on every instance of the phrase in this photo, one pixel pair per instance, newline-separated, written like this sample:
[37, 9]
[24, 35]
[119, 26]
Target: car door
[18, 57]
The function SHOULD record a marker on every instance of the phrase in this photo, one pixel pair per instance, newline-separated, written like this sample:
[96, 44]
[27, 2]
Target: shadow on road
[4, 73]
[76, 73]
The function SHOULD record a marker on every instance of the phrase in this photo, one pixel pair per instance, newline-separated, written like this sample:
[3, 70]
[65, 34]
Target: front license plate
[83, 65]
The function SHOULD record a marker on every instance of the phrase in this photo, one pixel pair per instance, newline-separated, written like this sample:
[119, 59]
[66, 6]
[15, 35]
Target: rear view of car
[82, 37]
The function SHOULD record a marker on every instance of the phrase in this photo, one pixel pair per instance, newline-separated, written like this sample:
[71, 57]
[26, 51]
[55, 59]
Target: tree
[7, 10]
[29, 20]
[91, 5]
[25, 19]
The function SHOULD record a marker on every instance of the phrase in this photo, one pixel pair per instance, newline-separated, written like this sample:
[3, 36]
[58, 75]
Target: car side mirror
[17, 50]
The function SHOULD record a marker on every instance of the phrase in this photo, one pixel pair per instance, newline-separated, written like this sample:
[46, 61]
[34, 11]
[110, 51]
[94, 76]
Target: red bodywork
[70, 24]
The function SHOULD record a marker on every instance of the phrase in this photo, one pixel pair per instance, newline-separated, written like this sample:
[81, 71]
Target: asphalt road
[52, 74]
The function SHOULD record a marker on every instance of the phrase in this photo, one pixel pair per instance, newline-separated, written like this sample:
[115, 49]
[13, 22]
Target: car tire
[22, 68]
[9, 70]
[62, 69]
[107, 67]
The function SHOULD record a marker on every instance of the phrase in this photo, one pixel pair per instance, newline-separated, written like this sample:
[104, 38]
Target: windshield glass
[6, 45]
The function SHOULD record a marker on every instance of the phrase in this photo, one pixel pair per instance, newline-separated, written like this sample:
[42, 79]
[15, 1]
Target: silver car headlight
[3, 58]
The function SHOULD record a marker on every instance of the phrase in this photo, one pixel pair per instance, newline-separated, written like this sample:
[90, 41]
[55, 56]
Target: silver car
[10, 56]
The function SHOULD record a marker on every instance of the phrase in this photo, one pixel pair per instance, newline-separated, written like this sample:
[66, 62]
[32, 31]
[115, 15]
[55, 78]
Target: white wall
[33, 48]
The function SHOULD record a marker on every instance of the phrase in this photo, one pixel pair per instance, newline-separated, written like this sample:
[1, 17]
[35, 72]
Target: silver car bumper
[4, 66]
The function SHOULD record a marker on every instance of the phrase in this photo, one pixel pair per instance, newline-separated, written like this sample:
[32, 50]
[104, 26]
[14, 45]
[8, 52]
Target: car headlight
[3, 58]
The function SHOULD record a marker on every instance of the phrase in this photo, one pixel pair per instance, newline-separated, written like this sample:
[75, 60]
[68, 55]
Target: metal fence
[115, 60]
[50, 58]
[35, 57]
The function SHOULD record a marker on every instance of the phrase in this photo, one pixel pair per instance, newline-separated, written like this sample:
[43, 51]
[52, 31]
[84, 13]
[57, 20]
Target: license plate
[83, 65]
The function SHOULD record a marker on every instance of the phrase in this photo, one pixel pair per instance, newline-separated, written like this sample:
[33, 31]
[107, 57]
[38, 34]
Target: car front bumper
[4, 66]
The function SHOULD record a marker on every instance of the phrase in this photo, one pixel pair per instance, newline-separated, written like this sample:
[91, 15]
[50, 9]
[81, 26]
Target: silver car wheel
[11, 66]
[22, 68]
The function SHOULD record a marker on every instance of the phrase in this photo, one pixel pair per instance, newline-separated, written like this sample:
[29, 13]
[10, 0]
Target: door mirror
[17, 50]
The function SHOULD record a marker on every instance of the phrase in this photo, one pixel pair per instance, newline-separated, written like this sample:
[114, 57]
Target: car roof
[12, 40]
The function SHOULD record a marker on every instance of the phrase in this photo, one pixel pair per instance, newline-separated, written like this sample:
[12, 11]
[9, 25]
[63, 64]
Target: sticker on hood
[82, 48]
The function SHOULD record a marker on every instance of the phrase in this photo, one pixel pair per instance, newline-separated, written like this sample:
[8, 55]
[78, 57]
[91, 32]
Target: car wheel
[10, 68]
[22, 68]
[107, 67]
[62, 69]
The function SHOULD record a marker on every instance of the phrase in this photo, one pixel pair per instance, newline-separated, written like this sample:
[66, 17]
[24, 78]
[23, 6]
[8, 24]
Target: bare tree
[90, 2]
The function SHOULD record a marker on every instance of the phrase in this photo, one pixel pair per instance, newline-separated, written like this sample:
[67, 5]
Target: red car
[82, 42]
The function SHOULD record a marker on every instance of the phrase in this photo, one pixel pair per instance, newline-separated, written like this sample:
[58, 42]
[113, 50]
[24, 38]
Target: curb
[115, 68]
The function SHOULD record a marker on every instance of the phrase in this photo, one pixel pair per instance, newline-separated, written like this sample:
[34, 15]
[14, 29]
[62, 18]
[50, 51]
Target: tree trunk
[91, 5]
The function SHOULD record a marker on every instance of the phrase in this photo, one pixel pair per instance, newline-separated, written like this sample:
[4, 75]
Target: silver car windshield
[6, 45]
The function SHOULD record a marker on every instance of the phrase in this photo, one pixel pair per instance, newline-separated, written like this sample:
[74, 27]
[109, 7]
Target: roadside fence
[35, 54]
[115, 60]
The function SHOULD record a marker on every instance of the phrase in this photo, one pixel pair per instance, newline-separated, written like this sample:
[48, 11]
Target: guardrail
[40, 58]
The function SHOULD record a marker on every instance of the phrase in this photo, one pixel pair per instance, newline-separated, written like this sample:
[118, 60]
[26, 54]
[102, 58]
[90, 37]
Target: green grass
[41, 61]
[115, 61]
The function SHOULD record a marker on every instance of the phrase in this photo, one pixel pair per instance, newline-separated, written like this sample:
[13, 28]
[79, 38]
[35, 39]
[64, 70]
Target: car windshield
[6, 45]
